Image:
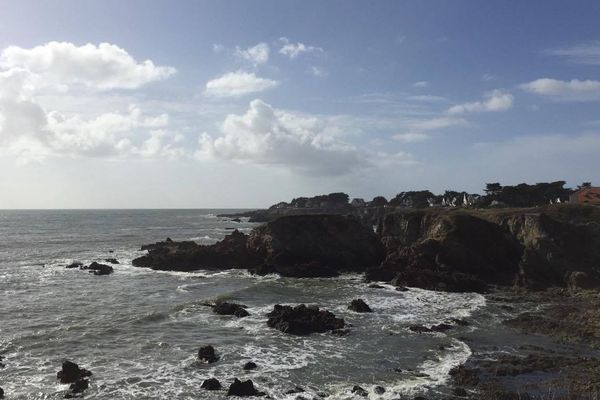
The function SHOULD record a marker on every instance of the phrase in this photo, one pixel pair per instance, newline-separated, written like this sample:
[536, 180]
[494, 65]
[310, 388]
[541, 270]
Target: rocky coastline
[547, 256]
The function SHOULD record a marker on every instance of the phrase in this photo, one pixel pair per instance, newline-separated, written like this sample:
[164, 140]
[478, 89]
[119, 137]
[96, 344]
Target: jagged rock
[1, 393]
[76, 388]
[441, 327]
[211, 384]
[359, 391]
[207, 354]
[250, 366]
[99, 269]
[75, 264]
[243, 389]
[71, 372]
[231, 252]
[315, 245]
[379, 390]
[303, 320]
[225, 308]
[360, 306]
[111, 260]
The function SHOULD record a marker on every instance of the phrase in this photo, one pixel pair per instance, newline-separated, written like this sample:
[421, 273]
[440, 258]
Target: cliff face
[460, 249]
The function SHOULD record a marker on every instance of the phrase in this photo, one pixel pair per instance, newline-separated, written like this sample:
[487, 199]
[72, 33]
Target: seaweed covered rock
[303, 320]
[315, 245]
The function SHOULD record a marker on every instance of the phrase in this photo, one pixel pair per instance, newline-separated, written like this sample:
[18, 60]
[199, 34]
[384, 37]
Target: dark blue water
[139, 330]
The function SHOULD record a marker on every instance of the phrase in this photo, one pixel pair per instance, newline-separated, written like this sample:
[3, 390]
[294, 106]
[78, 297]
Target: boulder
[99, 269]
[231, 252]
[225, 308]
[71, 372]
[303, 320]
[379, 390]
[359, 306]
[243, 389]
[357, 390]
[207, 354]
[315, 246]
[250, 366]
[211, 384]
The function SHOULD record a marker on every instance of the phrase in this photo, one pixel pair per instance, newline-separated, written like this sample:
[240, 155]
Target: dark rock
[250, 366]
[376, 286]
[441, 327]
[295, 390]
[236, 220]
[1, 393]
[75, 264]
[303, 320]
[402, 289]
[379, 390]
[580, 280]
[316, 245]
[231, 252]
[340, 332]
[359, 391]
[359, 306]
[459, 392]
[99, 269]
[207, 354]
[112, 260]
[465, 376]
[243, 389]
[419, 329]
[459, 322]
[79, 386]
[71, 372]
[211, 384]
[225, 308]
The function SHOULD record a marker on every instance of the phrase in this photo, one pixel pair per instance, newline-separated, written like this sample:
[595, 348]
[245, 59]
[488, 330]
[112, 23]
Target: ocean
[139, 330]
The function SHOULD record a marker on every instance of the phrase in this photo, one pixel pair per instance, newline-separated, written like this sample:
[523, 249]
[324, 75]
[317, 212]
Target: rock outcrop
[303, 320]
[231, 252]
[299, 246]
[243, 389]
[359, 306]
[225, 308]
[315, 246]
[207, 354]
[71, 372]
[98, 269]
[450, 251]
[211, 384]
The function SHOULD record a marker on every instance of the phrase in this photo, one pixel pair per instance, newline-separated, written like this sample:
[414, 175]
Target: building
[586, 195]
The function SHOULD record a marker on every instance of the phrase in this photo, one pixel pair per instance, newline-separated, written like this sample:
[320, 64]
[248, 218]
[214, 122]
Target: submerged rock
[303, 320]
[99, 269]
[225, 308]
[207, 354]
[71, 372]
[211, 384]
[243, 389]
[111, 260]
[75, 264]
[1, 393]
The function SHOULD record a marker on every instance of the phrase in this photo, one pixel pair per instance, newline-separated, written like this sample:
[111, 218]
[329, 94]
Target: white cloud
[496, 100]
[438, 123]
[293, 50]
[258, 54]
[583, 53]
[235, 84]
[218, 48]
[573, 90]
[101, 67]
[317, 71]
[411, 137]
[421, 84]
[265, 135]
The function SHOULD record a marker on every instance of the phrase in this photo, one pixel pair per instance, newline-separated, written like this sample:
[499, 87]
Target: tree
[378, 201]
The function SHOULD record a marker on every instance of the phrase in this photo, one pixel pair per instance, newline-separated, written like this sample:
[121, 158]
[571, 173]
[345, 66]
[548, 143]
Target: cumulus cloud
[573, 90]
[293, 50]
[236, 84]
[582, 53]
[265, 135]
[496, 100]
[258, 54]
[102, 67]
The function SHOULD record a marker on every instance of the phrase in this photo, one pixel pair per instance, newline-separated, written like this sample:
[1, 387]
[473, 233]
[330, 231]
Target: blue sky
[246, 103]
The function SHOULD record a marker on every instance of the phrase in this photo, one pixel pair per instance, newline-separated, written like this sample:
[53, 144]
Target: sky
[242, 104]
